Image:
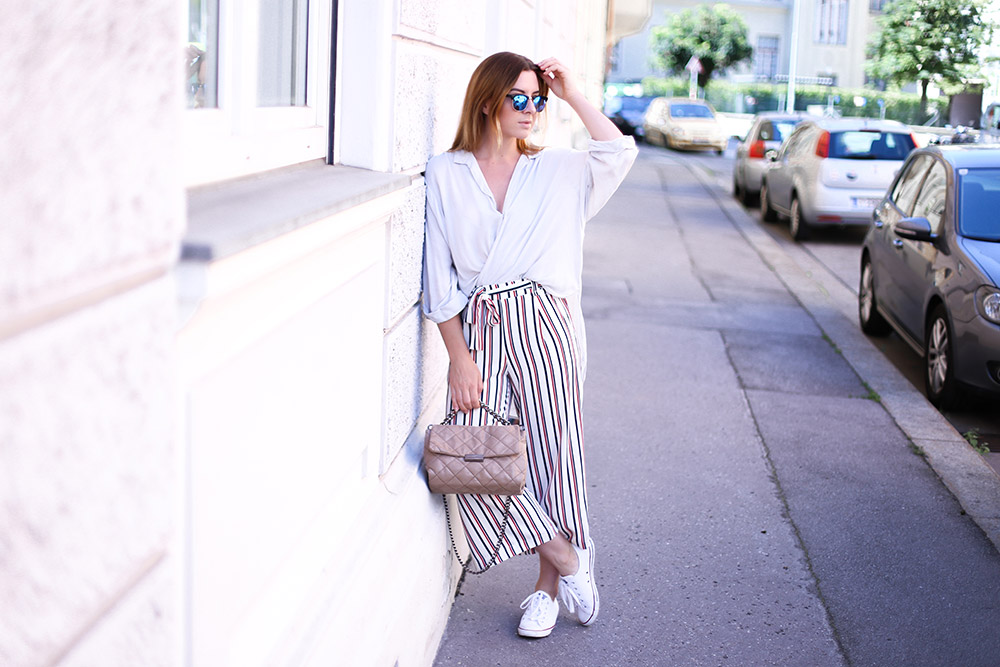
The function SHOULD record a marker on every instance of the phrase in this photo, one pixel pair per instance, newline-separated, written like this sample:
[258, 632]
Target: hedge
[756, 97]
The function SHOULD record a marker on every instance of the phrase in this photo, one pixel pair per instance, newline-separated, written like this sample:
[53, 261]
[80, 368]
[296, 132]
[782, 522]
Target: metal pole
[793, 57]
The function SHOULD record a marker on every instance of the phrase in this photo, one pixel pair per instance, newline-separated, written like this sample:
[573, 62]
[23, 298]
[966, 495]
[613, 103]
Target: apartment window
[876, 5]
[831, 21]
[282, 63]
[765, 62]
[202, 54]
[258, 85]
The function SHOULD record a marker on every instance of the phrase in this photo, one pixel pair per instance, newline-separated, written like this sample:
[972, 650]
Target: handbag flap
[491, 441]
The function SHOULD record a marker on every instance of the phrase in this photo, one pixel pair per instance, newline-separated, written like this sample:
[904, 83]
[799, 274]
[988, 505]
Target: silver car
[930, 267]
[766, 133]
[833, 172]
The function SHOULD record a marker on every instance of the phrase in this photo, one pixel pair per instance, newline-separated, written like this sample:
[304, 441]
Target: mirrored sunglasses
[520, 101]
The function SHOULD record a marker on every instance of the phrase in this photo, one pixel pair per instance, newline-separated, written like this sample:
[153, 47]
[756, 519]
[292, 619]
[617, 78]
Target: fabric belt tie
[483, 310]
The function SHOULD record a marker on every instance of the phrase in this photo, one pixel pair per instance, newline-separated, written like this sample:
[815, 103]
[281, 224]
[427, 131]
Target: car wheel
[939, 372]
[767, 214]
[737, 192]
[796, 225]
[872, 322]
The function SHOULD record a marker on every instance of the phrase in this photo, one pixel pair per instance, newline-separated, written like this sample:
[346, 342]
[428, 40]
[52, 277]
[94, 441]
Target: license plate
[865, 202]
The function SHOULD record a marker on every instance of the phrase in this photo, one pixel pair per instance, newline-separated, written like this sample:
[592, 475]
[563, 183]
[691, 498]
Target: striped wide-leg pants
[525, 345]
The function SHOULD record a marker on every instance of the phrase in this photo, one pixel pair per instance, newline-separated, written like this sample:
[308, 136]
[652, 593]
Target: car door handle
[898, 243]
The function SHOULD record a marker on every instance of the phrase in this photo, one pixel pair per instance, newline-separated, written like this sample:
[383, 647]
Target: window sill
[226, 218]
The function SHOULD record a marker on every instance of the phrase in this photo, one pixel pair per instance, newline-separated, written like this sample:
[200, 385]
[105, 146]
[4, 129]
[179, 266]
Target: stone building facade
[215, 373]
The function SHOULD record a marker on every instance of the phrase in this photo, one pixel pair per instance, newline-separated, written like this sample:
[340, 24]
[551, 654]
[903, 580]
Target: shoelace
[535, 604]
[569, 596]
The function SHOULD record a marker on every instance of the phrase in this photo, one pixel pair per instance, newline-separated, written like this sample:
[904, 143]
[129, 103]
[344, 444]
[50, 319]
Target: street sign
[693, 66]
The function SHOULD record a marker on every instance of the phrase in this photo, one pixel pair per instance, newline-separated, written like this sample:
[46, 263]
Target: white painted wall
[91, 217]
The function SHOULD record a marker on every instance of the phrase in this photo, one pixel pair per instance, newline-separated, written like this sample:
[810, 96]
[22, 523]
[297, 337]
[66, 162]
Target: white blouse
[539, 235]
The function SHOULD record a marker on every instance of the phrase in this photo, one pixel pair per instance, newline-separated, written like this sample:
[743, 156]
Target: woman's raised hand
[558, 77]
[564, 87]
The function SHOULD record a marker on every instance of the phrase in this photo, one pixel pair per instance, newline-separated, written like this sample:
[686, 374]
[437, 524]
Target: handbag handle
[494, 413]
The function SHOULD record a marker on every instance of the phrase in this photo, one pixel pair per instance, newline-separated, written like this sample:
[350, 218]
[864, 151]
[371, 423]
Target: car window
[766, 131]
[800, 142]
[930, 201]
[908, 185]
[783, 128]
[634, 103]
[870, 145]
[683, 110]
[978, 203]
[789, 146]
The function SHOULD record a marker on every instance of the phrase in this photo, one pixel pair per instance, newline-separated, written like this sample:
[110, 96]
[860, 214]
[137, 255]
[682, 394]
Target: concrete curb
[833, 306]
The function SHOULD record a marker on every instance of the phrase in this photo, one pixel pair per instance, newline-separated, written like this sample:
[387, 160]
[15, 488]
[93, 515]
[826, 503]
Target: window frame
[766, 58]
[237, 137]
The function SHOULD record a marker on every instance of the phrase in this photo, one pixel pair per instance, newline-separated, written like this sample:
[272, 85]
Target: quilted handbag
[476, 459]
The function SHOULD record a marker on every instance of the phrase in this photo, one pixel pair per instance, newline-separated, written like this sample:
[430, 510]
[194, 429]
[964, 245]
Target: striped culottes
[523, 341]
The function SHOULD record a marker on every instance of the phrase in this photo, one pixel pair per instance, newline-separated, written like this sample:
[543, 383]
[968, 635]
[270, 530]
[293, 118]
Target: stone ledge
[225, 218]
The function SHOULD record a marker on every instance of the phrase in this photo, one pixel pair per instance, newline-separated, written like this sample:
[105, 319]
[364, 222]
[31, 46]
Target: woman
[503, 263]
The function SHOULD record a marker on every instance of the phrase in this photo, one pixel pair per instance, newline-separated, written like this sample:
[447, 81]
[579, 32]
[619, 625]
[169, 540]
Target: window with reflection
[930, 202]
[978, 203]
[282, 51]
[907, 187]
[202, 54]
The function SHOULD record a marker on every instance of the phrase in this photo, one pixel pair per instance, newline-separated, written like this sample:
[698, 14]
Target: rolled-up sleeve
[608, 162]
[442, 298]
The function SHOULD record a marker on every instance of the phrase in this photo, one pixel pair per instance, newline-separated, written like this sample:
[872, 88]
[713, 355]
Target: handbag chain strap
[506, 508]
[496, 547]
[493, 413]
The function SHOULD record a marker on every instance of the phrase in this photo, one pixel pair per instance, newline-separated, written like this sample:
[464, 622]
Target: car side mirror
[771, 155]
[914, 229]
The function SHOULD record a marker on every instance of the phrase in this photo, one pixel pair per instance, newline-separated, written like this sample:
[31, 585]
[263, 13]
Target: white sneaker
[540, 613]
[579, 590]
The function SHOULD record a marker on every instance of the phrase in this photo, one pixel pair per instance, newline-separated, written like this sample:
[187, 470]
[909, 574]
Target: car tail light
[757, 149]
[823, 145]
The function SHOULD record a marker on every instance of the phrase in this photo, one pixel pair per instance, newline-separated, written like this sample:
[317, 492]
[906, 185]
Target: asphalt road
[759, 480]
[839, 251]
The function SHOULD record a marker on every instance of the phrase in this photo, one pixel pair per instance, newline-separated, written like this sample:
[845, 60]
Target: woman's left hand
[558, 77]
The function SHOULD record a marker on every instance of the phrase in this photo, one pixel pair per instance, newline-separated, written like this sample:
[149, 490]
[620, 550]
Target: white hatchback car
[833, 171]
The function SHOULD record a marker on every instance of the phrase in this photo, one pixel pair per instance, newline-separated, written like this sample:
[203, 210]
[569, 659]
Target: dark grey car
[930, 267]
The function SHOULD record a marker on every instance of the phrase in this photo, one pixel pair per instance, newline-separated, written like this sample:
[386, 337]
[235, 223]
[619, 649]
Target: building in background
[831, 47]
[215, 373]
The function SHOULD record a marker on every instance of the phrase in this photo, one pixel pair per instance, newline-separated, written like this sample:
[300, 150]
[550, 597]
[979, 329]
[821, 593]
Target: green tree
[716, 35]
[928, 40]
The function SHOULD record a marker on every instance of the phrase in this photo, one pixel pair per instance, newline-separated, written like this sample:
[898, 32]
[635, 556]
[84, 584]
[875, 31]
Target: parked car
[767, 131]
[681, 122]
[930, 267]
[833, 171]
[627, 113]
